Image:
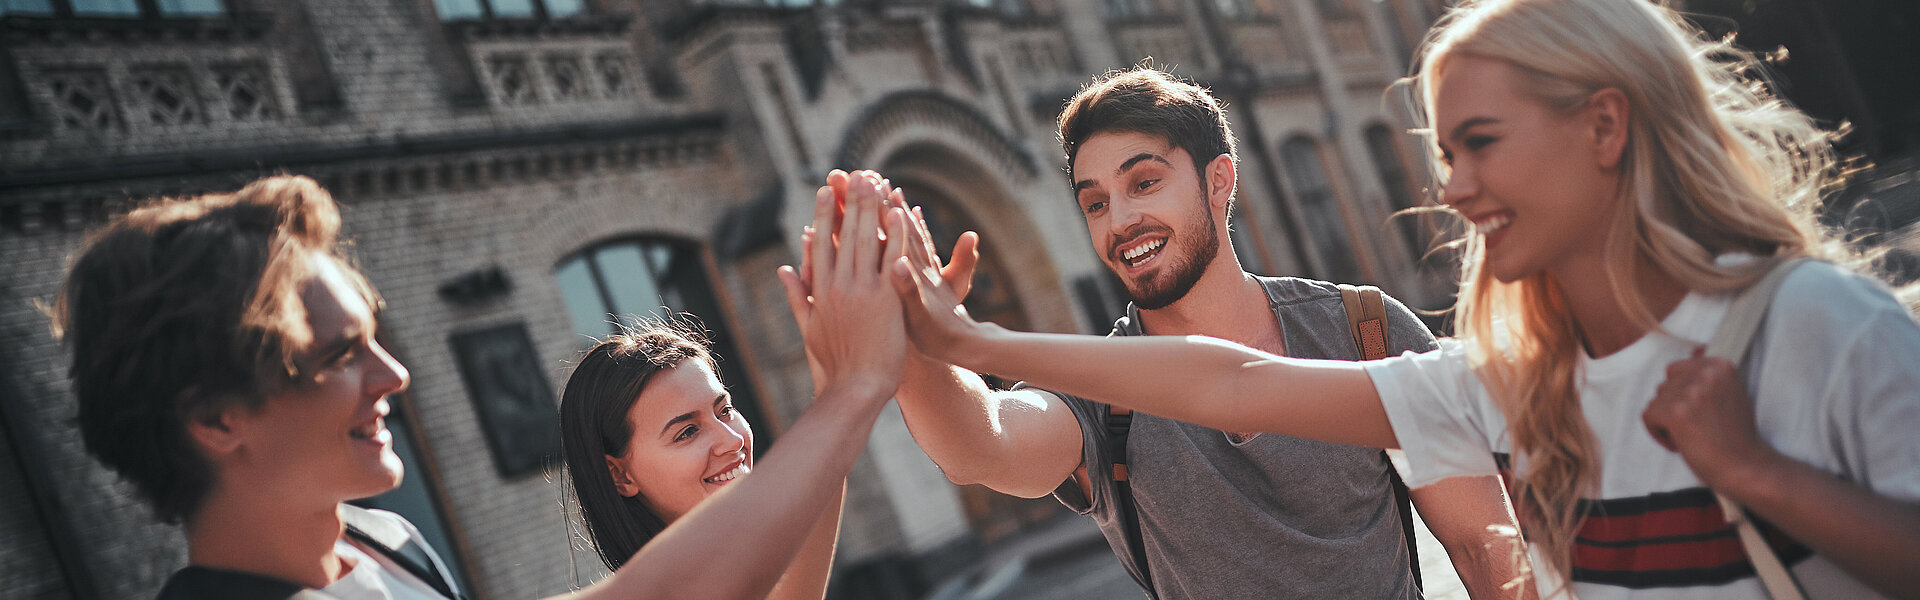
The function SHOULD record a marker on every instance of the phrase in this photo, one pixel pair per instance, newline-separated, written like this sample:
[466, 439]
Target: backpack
[1367, 318]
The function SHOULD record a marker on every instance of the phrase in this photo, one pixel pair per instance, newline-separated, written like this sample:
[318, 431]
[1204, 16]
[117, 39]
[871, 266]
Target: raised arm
[738, 543]
[1022, 443]
[1196, 379]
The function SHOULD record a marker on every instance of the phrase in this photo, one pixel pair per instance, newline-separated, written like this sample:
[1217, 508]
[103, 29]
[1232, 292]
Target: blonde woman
[1624, 181]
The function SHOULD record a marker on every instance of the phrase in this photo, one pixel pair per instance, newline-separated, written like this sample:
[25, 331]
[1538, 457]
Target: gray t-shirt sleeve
[1405, 332]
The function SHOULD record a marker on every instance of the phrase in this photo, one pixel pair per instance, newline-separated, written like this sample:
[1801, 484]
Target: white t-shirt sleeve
[1440, 412]
[1871, 392]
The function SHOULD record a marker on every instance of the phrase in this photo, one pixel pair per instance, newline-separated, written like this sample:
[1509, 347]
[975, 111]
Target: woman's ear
[1608, 119]
[622, 481]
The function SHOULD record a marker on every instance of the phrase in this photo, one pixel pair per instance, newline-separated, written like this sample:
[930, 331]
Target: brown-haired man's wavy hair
[184, 308]
[1148, 100]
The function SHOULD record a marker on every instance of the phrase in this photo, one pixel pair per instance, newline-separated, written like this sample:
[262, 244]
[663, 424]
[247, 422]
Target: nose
[1459, 186]
[387, 376]
[734, 435]
[1126, 215]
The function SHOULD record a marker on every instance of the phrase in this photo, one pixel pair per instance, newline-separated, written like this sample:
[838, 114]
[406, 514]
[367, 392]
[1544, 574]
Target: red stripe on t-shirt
[1685, 521]
[1660, 557]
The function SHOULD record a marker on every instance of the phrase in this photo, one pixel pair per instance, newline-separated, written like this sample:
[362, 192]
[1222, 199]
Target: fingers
[959, 269]
[860, 229]
[929, 256]
[823, 225]
[895, 228]
[806, 258]
[796, 296]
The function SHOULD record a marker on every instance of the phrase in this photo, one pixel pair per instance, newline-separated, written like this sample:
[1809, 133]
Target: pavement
[1067, 559]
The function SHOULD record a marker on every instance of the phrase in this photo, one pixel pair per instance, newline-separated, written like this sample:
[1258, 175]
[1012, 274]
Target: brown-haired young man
[1152, 164]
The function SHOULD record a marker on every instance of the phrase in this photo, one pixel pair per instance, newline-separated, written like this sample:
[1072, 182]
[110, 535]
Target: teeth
[730, 474]
[366, 431]
[1493, 224]
[1143, 249]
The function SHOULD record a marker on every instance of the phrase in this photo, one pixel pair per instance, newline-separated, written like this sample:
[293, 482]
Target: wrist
[1749, 476]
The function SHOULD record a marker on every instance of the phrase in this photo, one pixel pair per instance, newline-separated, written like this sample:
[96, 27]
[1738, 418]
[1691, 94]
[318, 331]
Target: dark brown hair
[184, 308]
[593, 426]
[1148, 100]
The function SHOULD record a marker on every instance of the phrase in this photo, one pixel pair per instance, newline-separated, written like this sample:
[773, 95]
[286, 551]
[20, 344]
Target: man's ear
[622, 481]
[1607, 120]
[1221, 176]
[216, 431]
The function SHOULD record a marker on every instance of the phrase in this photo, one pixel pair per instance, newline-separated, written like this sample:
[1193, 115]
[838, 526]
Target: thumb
[796, 295]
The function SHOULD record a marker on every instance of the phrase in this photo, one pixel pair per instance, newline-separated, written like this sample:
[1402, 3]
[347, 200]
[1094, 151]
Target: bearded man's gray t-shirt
[1271, 517]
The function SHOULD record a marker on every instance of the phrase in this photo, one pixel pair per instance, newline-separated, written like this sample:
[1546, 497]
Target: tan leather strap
[1367, 319]
[1731, 342]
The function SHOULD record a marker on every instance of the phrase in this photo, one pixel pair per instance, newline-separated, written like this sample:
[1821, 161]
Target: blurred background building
[516, 171]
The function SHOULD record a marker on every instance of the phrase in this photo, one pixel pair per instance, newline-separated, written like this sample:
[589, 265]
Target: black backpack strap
[1119, 423]
[1367, 319]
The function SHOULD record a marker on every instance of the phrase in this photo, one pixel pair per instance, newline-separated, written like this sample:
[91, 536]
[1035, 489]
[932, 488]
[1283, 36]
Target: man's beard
[1185, 270]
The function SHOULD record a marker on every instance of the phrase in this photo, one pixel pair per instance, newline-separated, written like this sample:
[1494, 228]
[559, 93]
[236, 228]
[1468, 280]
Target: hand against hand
[1702, 412]
[936, 321]
[850, 321]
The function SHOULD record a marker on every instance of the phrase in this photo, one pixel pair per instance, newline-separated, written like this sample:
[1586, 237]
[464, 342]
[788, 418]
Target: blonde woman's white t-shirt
[1835, 377]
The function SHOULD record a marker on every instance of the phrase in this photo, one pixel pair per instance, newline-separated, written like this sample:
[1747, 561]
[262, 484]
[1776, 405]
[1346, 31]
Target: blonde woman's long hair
[1713, 164]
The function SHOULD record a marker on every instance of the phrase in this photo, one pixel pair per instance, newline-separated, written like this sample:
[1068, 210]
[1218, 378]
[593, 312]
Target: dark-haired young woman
[660, 461]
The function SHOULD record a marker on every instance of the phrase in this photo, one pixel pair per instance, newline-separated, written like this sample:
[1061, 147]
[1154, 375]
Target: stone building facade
[513, 171]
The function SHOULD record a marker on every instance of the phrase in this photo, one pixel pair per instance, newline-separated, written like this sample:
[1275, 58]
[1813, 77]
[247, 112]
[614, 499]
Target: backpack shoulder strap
[1367, 320]
[1367, 316]
[1119, 423]
[1731, 342]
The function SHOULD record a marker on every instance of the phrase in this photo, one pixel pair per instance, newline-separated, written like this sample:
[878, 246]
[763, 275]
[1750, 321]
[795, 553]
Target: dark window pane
[1324, 221]
[632, 284]
[452, 10]
[512, 8]
[583, 301]
[26, 7]
[560, 9]
[106, 8]
[191, 8]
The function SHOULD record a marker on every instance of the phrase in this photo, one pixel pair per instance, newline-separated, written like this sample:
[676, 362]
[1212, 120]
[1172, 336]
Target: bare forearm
[806, 578]
[949, 412]
[702, 554]
[1872, 537]
[1196, 379]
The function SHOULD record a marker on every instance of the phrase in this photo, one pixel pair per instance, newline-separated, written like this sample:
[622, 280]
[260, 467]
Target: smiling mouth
[368, 431]
[730, 474]
[1142, 253]
[1494, 223]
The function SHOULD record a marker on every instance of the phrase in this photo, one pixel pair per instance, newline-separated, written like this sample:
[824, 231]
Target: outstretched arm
[738, 543]
[1200, 380]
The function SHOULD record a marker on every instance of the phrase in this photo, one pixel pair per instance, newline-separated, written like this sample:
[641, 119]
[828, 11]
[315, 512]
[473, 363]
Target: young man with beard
[1151, 161]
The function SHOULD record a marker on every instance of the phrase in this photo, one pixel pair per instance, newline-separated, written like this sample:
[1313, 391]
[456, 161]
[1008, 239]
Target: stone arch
[901, 112]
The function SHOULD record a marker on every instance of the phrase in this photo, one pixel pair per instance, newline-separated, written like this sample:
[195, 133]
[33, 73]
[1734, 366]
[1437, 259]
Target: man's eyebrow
[1461, 129]
[689, 415]
[1140, 157]
[1087, 183]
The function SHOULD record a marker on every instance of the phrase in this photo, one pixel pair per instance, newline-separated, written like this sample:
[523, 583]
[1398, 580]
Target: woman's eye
[726, 412]
[686, 433]
[1477, 142]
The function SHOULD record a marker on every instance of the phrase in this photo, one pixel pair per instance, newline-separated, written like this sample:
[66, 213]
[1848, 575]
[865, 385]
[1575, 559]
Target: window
[1306, 170]
[1130, 8]
[1393, 176]
[131, 9]
[461, 10]
[624, 281]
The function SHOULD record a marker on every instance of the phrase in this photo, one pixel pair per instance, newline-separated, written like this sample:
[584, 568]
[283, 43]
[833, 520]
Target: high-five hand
[844, 310]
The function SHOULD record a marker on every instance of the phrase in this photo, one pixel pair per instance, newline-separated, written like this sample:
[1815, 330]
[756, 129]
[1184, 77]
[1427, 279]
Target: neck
[1226, 303]
[1605, 325]
[265, 536]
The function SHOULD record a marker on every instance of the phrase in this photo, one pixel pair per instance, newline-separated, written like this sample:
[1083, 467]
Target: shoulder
[1296, 290]
[1825, 291]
